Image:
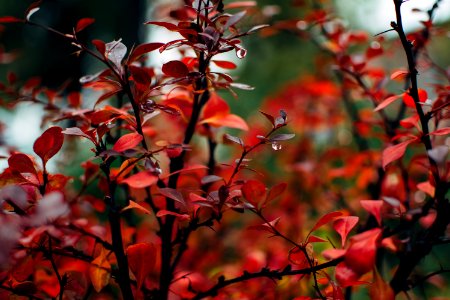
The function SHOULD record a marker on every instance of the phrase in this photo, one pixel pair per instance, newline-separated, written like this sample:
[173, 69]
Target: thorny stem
[61, 281]
[310, 260]
[410, 259]
[176, 164]
[265, 272]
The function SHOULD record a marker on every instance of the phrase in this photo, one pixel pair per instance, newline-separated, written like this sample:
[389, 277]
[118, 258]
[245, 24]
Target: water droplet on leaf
[276, 146]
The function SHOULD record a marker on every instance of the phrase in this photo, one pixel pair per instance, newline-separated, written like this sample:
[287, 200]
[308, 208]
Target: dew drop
[276, 146]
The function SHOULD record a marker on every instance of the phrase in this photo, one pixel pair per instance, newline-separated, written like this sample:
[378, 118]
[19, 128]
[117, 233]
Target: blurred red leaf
[409, 101]
[140, 180]
[254, 191]
[10, 19]
[83, 23]
[344, 225]
[373, 207]
[141, 258]
[386, 102]
[326, 219]
[360, 256]
[225, 64]
[21, 163]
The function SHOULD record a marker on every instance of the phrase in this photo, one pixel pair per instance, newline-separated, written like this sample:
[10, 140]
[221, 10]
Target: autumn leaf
[127, 141]
[373, 207]
[325, 219]
[141, 259]
[379, 289]
[100, 271]
[344, 225]
[254, 191]
[224, 64]
[49, 143]
[395, 152]
[360, 256]
[140, 180]
[136, 206]
[83, 23]
[175, 68]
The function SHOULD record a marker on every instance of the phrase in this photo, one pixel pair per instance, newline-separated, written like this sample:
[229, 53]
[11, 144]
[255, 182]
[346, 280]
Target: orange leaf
[100, 271]
[49, 143]
[140, 180]
[379, 289]
[137, 206]
[399, 75]
[141, 258]
[344, 225]
[127, 141]
[231, 121]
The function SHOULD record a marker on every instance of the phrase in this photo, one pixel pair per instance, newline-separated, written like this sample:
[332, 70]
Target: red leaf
[182, 217]
[276, 191]
[387, 101]
[175, 68]
[127, 141]
[266, 226]
[395, 152]
[167, 25]
[373, 207]
[230, 120]
[325, 219]
[100, 46]
[345, 275]
[297, 256]
[21, 163]
[441, 131]
[315, 239]
[141, 259]
[140, 180]
[409, 101]
[254, 191]
[225, 64]
[143, 49]
[10, 19]
[360, 256]
[344, 225]
[83, 23]
[49, 143]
